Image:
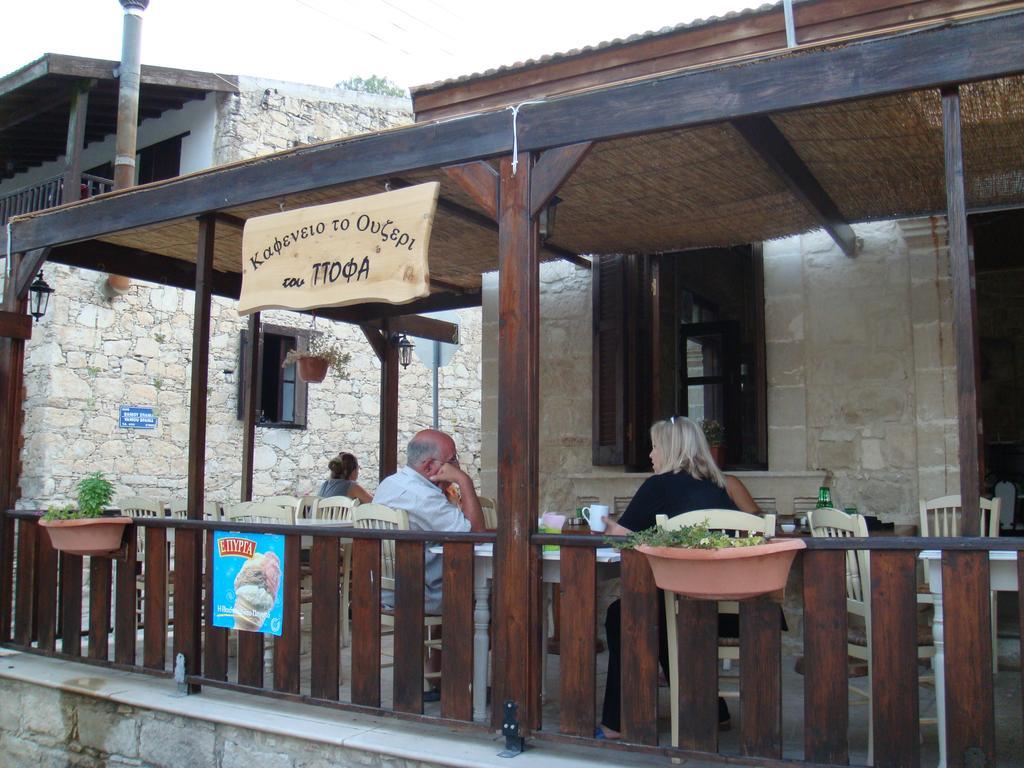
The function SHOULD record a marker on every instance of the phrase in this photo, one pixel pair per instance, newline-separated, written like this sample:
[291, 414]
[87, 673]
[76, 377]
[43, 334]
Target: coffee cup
[594, 515]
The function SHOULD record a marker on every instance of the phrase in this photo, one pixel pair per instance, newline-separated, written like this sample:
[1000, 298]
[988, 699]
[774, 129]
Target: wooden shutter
[608, 359]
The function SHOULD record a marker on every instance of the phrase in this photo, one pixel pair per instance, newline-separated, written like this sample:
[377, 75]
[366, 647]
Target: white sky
[321, 42]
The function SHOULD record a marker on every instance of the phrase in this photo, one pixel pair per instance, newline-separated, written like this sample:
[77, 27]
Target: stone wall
[93, 353]
[860, 366]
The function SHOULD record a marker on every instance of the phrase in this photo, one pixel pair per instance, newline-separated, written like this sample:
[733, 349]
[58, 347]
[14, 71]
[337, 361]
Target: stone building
[98, 349]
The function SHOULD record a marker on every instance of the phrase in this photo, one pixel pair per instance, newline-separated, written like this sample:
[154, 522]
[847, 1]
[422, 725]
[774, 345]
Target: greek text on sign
[368, 249]
[136, 417]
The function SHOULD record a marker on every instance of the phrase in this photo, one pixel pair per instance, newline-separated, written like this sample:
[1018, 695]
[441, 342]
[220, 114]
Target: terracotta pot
[718, 454]
[87, 535]
[119, 284]
[723, 574]
[312, 369]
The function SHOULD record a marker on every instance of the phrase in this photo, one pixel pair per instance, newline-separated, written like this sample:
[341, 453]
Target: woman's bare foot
[609, 733]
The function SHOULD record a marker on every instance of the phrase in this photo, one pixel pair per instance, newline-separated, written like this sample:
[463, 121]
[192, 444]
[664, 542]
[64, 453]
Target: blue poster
[247, 589]
[136, 417]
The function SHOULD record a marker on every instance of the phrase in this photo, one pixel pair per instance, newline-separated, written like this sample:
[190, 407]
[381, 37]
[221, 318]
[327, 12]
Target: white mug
[594, 515]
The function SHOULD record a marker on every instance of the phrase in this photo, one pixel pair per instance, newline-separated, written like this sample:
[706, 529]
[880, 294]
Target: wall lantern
[405, 348]
[546, 218]
[40, 296]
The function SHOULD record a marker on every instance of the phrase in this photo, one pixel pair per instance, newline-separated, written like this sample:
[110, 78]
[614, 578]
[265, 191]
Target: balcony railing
[43, 602]
[48, 194]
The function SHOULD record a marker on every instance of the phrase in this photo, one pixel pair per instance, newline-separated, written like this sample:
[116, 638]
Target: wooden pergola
[627, 160]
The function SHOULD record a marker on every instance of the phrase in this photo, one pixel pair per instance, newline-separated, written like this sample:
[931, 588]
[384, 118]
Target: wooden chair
[490, 510]
[145, 506]
[289, 502]
[941, 517]
[832, 523]
[730, 521]
[306, 504]
[381, 517]
[333, 510]
[179, 508]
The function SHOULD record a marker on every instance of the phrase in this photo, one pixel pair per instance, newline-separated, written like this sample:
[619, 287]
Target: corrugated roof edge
[606, 45]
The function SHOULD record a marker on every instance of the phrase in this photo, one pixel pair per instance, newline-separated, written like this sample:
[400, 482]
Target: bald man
[432, 465]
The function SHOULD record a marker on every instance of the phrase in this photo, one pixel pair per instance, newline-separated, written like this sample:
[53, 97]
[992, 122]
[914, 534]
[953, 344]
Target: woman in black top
[686, 479]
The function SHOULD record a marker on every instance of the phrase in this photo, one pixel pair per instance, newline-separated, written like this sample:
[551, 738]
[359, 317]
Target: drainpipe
[129, 74]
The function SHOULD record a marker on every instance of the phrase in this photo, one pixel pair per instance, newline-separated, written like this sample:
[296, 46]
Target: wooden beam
[388, 406]
[251, 373]
[965, 316]
[377, 340]
[517, 583]
[14, 325]
[364, 313]
[480, 181]
[75, 143]
[33, 109]
[552, 170]
[423, 328]
[771, 145]
[29, 265]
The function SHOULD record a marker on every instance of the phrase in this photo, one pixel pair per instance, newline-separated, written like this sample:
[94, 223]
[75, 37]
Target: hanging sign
[247, 585]
[368, 249]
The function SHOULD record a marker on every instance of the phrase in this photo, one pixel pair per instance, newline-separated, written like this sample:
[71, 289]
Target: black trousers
[728, 626]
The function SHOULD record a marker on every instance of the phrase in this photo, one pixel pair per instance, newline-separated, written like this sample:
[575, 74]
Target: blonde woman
[685, 478]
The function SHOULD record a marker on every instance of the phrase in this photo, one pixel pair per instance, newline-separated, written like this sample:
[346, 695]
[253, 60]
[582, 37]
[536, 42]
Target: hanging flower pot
[312, 369]
[118, 284]
[732, 573]
[86, 535]
[718, 454]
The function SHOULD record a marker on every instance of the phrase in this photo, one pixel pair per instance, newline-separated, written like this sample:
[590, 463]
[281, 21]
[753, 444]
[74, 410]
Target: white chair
[306, 504]
[179, 508]
[490, 512]
[832, 523]
[730, 521]
[289, 502]
[338, 510]
[145, 506]
[942, 517]
[258, 512]
[1006, 492]
[381, 517]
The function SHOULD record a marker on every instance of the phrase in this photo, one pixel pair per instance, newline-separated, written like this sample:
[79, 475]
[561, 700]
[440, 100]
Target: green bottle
[824, 497]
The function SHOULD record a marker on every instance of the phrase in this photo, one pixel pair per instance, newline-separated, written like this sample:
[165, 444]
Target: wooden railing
[48, 194]
[47, 590]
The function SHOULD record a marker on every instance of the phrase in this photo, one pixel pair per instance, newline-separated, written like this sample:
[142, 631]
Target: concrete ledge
[62, 713]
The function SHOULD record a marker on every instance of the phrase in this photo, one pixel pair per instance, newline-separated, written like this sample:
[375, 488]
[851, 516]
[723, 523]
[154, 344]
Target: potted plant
[324, 352]
[85, 530]
[715, 435]
[697, 562]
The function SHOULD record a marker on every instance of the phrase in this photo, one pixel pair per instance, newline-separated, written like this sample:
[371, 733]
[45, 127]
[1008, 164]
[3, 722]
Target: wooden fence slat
[966, 611]
[215, 640]
[826, 680]
[697, 659]
[288, 644]
[366, 622]
[125, 597]
[46, 593]
[1020, 624]
[154, 596]
[7, 528]
[894, 694]
[188, 599]
[576, 645]
[408, 677]
[640, 635]
[71, 604]
[325, 662]
[760, 683]
[24, 597]
[100, 573]
[250, 658]
[457, 610]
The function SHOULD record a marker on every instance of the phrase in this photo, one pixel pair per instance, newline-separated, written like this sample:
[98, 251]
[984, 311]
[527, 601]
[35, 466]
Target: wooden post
[517, 585]
[251, 373]
[388, 406]
[188, 543]
[965, 315]
[75, 143]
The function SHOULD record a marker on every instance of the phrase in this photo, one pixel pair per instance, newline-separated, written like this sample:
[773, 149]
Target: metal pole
[437, 364]
[787, 8]
[128, 95]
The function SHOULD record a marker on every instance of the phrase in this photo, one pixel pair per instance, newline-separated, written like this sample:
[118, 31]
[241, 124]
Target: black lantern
[405, 348]
[40, 298]
[546, 218]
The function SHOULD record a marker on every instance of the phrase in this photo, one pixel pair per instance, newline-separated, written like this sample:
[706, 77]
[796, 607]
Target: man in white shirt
[432, 467]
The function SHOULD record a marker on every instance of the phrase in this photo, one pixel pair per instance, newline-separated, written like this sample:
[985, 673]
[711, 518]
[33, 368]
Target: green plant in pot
[324, 352]
[695, 561]
[714, 433]
[83, 529]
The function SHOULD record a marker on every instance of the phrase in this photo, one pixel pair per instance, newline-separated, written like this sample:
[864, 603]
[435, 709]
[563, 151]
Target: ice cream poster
[247, 581]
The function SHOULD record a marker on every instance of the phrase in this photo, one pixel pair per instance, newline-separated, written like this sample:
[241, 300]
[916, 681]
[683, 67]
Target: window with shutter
[280, 395]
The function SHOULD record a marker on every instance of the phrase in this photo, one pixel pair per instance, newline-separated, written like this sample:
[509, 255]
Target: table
[607, 568]
[1002, 578]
